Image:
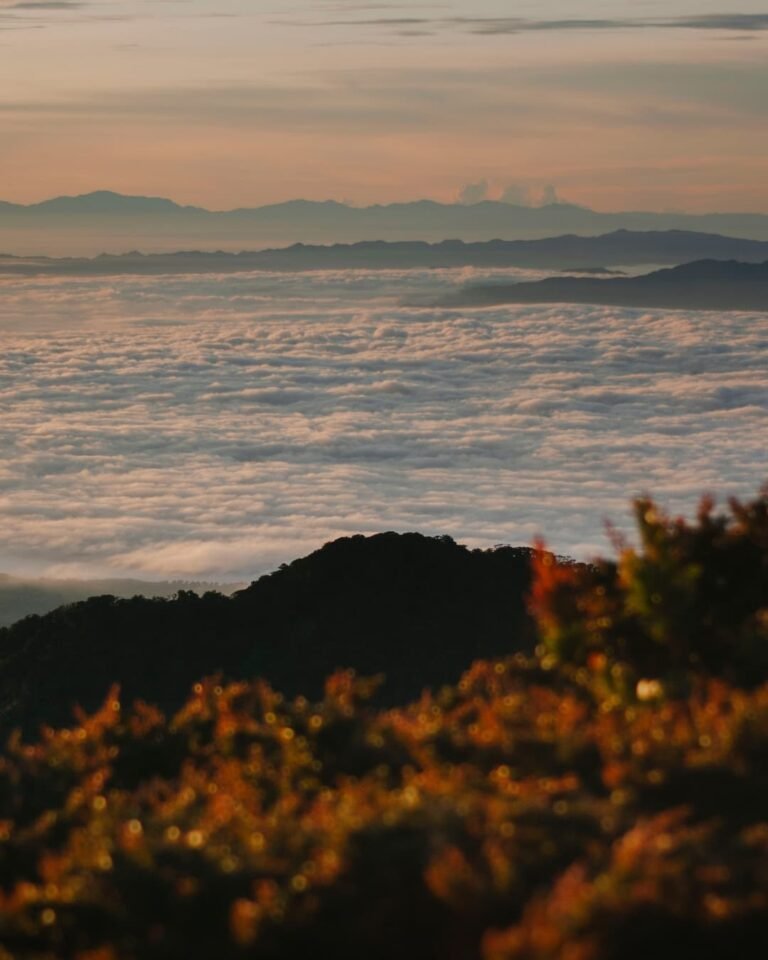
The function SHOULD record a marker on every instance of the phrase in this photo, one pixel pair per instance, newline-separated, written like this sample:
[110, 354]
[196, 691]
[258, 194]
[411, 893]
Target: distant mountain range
[703, 285]
[568, 253]
[104, 221]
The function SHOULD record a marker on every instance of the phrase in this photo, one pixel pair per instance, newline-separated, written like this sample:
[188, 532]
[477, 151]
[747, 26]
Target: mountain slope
[21, 597]
[107, 202]
[703, 285]
[419, 609]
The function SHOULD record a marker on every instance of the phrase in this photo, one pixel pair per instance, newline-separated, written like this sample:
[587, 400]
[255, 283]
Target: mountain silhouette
[111, 222]
[108, 202]
[703, 285]
[569, 252]
[23, 596]
[418, 609]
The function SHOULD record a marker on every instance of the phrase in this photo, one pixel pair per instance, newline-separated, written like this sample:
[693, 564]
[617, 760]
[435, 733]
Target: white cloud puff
[213, 427]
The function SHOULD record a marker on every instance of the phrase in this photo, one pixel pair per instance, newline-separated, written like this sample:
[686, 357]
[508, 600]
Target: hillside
[419, 608]
[22, 596]
[702, 285]
[603, 799]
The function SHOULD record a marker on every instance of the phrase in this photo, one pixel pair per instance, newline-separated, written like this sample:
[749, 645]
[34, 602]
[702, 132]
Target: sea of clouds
[213, 427]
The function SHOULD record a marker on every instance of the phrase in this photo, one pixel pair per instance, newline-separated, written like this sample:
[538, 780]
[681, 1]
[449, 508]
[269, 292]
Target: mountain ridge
[420, 608]
[701, 285]
[565, 252]
[113, 222]
[91, 200]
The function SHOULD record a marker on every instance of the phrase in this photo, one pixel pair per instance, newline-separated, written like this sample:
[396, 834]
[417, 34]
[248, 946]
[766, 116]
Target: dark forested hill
[22, 596]
[419, 609]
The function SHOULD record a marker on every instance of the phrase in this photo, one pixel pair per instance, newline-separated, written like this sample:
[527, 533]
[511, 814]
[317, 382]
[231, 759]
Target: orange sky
[242, 102]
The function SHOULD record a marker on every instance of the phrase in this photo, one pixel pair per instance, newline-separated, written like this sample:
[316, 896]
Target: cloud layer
[509, 26]
[214, 427]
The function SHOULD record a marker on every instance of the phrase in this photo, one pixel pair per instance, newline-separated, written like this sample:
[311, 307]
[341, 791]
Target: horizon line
[350, 205]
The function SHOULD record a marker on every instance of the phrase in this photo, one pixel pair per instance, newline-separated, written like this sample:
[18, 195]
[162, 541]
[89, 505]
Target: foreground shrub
[252, 826]
[692, 599]
[667, 890]
[604, 800]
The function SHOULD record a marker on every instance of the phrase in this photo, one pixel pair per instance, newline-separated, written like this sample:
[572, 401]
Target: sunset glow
[225, 103]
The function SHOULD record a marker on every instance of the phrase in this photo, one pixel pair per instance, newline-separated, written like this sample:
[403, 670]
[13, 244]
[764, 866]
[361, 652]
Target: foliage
[539, 809]
[693, 599]
[249, 825]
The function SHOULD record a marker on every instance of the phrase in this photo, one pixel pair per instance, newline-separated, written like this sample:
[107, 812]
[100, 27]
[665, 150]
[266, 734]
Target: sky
[619, 104]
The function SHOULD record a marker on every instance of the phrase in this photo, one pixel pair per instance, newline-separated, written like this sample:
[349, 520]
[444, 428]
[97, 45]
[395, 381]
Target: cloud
[25, 11]
[549, 196]
[213, 427]
[40, 14]
[464, 101]
[723, 21]
[473, 193]
[41, 4]
[500, 26]
[517, 195]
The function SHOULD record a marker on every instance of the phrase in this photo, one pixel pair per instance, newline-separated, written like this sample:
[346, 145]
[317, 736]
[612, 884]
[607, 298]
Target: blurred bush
[691, 600]
[603, 800]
